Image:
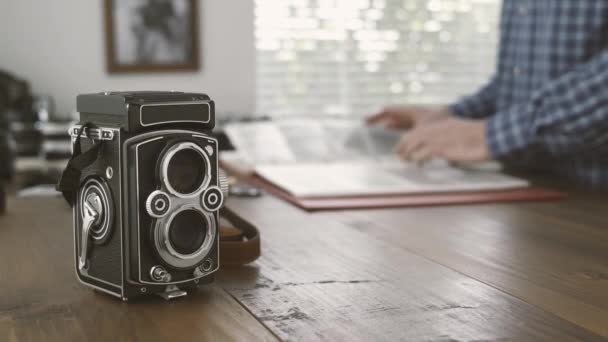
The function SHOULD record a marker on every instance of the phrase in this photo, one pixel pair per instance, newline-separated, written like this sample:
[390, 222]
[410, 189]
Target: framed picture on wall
[151, 35]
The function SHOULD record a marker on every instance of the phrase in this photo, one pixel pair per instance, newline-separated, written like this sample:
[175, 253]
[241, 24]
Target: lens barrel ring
[165, 164]
[165, 246]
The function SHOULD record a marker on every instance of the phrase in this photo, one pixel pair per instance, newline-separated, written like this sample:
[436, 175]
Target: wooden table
[516, 271]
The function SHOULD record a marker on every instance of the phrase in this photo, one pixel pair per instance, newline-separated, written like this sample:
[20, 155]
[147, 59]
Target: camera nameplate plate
[181, 103]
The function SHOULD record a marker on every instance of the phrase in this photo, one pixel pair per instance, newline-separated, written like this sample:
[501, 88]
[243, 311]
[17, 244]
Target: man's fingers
[416, 139]
[421, 155]
[377, 117]
[403, 141]
[409, 144]
[453, 139]
[387, 119]
[417, 151]
[394, 123]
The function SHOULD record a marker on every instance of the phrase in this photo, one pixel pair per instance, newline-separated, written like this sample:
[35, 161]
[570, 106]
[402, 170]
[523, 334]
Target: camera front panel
[175, 197]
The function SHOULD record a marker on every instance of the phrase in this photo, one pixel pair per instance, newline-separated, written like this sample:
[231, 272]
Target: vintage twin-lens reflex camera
[146, 210]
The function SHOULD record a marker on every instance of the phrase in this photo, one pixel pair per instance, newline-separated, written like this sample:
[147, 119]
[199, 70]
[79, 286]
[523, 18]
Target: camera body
[146, 215]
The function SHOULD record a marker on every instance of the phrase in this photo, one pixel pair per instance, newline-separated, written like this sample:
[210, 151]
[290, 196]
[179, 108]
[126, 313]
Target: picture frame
[151, 35]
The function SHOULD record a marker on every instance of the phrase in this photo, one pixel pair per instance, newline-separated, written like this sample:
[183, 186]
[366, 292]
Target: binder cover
[409, 200]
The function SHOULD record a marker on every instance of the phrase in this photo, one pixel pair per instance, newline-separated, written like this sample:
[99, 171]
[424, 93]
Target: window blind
[351, 57]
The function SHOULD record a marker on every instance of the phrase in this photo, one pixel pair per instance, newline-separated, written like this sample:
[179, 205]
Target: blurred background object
[22, 117]
[2, 199]
[7, 91]
[274, 57]
[6, 152]
[271, 59]
[34, 144]
[69, 61]
[151, 35]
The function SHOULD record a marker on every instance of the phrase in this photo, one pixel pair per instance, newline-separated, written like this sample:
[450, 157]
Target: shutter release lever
[92, 214]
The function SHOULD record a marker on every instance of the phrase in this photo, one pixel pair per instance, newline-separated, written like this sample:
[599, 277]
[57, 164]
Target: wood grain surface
[41, 299]
[553, 255]
[322, 279]
[533, 271]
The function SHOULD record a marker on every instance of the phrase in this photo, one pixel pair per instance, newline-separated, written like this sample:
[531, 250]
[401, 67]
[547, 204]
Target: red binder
[408, 200]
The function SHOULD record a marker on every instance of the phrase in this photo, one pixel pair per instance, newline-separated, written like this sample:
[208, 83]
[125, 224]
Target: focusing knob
[223, 182]
[160, 274]
[158, 204]
[212, 199]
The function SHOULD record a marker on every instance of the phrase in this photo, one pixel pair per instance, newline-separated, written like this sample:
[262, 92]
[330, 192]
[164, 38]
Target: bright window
[353, 56]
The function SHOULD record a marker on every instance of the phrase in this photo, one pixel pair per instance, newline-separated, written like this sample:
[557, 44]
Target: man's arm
[567, 116]
[479, 105]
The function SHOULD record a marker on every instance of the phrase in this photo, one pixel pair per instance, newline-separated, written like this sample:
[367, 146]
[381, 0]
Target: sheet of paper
[369, 178]
[260, 142]
[310, 139]
[311, 157]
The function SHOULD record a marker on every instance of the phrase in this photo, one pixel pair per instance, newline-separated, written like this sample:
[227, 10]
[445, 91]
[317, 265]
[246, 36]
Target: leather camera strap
[69, 183]
[239, 243]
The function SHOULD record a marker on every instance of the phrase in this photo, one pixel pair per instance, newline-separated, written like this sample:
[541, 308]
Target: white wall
[59, 47]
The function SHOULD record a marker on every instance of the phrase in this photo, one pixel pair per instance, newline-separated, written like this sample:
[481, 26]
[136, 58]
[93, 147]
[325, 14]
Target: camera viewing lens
[186, 171]
[187, 231]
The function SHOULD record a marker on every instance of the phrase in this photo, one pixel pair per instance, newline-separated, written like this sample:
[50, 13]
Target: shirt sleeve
[479, 105]
[567, 116]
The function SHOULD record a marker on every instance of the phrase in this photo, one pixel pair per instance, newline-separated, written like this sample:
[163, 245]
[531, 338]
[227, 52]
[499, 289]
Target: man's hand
[408, 116]
[453, 139]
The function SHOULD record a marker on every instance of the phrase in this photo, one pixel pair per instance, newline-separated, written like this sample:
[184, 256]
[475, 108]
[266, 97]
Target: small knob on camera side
[212, 199]
[158, 273]
[223, 182]
[158, 204]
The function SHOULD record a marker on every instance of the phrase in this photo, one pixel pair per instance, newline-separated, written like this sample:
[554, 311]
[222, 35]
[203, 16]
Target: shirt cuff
[510, 131]
[461, 108]
[471, 107]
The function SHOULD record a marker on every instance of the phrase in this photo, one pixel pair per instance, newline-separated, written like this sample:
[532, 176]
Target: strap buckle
[91, 133]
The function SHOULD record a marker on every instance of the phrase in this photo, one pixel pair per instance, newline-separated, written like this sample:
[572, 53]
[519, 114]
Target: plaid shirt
[548, 99]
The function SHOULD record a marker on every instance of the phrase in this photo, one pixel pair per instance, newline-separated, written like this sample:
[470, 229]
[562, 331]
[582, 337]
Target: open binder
[342, 164]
